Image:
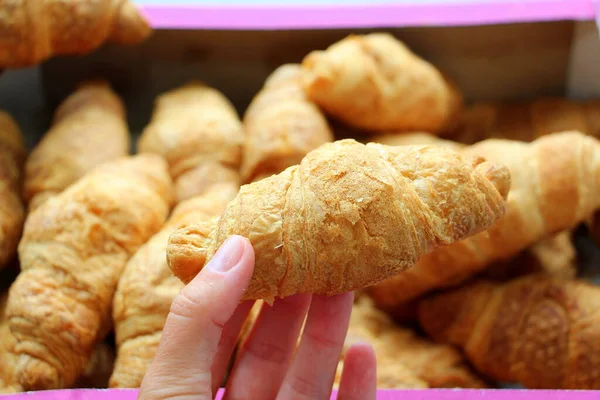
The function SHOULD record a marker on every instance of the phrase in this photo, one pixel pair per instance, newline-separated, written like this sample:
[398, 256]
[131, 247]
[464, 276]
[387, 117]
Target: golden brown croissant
[376, 83]
[33, 30]
[89, 129]
[197, 130]
[537, 331]
[435, 365]
[147, 288]
[553, 180]
[96, 373]
[73, 250]
[348, 216]
[281, 125]
[12, 209]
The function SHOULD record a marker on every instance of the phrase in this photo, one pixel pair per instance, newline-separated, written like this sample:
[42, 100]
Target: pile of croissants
[453, 224]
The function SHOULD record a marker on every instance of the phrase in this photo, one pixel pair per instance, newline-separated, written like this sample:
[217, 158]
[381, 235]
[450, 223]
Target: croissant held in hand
[34, 30]
[348, 216]
[541, 332]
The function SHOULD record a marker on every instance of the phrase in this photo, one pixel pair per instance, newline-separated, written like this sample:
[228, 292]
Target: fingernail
[228, 255]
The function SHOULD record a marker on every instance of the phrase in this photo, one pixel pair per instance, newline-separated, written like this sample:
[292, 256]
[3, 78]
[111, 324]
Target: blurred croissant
[374, 82]
[553, 184]
[538, 331]
[89, 129]
[399, 350]
[198, 131]
[281, 125]
[348, 216]
[73, 250]
[35, 30]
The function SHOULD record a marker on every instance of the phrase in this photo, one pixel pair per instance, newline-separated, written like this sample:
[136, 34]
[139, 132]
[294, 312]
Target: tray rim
[279, 17]
[386, 394]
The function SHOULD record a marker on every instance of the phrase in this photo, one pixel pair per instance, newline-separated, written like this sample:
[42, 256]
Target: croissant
[552, 189]
[197, 130]
[73, 250]
[376, 83]
[348, 216]
[437, 365]
[281, 125]
[88, 129]
[12, 209]
[147, 288]
[537, 331]
[95, 374]
[34, 31]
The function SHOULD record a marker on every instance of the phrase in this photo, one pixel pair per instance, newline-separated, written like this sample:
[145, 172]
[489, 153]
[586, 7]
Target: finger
[313, 369]
[268, 351]
[227, 344]
[359, 377]
[192, 331]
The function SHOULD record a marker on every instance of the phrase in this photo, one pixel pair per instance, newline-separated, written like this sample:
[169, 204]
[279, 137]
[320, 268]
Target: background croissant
[198, 131]
[539, 331]
[399, 349]
[34, 30]
[374, 82]
[73, 250]
[281, 125]
[88, 129]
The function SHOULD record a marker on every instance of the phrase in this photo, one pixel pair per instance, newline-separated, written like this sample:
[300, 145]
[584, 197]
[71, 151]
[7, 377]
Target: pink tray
[431, 394]
[403, 13]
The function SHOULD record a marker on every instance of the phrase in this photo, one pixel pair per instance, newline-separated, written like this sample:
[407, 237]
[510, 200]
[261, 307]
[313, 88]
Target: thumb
[190, 338]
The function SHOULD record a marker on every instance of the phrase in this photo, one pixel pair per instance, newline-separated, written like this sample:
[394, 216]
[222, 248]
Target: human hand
[202, 328]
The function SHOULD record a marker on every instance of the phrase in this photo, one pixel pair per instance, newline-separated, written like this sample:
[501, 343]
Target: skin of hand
[202, 329]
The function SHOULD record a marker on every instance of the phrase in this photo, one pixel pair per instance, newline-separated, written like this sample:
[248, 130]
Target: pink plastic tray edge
[175, 16]
[432, 394]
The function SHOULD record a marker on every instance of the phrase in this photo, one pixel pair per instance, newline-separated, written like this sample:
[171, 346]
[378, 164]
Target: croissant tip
[130, 27]
[497, 174]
